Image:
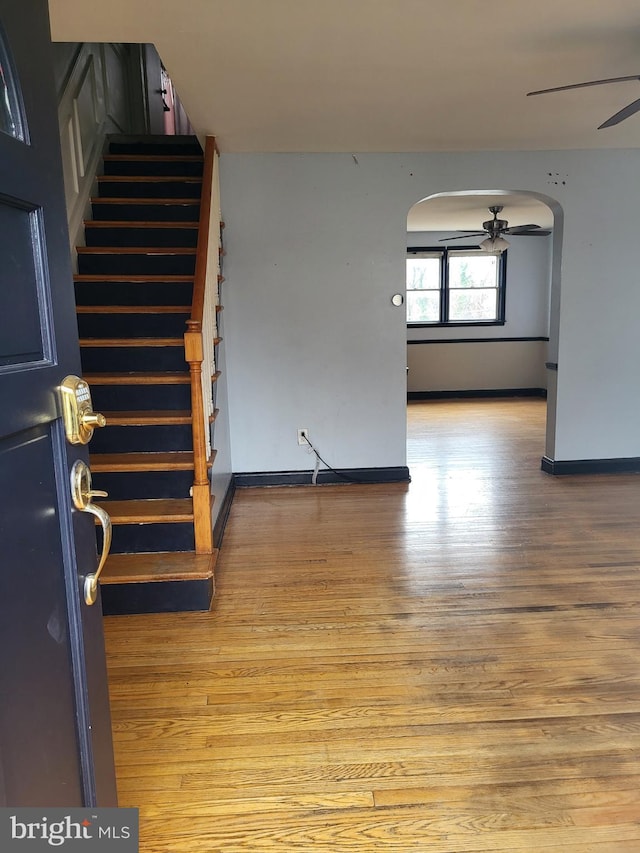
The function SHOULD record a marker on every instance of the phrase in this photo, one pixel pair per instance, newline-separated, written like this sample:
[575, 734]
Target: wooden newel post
[201, 489]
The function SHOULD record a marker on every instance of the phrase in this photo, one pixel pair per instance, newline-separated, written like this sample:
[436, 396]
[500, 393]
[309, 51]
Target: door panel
[55, 731]
[21, 247]
[42, 703]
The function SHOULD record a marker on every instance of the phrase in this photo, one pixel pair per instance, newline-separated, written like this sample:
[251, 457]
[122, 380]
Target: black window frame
[444, 252]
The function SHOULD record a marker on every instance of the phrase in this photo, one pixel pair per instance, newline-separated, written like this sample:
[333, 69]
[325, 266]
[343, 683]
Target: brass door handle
[91, 580]
[83, 495]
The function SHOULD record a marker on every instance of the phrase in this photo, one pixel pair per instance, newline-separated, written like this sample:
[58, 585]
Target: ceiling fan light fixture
[494, 245]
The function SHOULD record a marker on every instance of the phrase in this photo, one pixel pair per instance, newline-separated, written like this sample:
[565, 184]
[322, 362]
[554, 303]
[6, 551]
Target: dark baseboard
[472, 340]
[223, 515]
[120, 599]
[342, 476]
[497, 392]
[630, 465]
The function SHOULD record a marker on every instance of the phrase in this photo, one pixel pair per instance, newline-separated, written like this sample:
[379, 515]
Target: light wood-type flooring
[450, 665]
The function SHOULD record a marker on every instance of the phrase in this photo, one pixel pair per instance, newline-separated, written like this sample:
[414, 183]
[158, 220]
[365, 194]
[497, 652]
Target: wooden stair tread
[132, 342]
[133, 309]
[147, 223]
[166, 417]
[162, 566]
[89, 278]
[138, 378]
[157, 511]
[177, 460]
[135, 250]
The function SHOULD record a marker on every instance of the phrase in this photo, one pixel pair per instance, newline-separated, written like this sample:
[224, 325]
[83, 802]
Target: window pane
[473, 270]
[423, 273]
[473, 304]
[423, 307]
[10, 112]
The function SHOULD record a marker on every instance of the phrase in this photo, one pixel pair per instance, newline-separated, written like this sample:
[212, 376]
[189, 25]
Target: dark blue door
[55, 731]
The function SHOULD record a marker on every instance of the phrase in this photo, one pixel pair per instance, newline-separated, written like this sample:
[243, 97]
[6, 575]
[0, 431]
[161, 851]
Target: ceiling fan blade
[583, 85]
[516, 232]
[520, 230]
[466, 236]
[624, 113]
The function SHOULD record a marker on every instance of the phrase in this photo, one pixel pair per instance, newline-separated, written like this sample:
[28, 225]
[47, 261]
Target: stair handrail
[199, 348]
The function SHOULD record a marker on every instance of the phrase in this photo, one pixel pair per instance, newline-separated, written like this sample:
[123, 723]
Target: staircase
[134, 291]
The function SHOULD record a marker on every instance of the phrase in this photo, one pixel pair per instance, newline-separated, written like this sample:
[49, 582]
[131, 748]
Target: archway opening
[482, 321]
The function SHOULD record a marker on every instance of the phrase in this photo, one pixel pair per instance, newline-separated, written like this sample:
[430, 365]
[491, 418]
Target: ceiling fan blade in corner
[469, 235]
[583, 85]
[624, 113]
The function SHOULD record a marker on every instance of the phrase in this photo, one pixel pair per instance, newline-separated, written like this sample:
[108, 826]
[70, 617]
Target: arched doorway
[504, 343]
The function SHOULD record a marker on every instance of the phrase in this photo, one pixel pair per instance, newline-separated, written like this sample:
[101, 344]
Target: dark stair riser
[169, 168]
[114, 398]
[133, 325]
[132, 212]
[133, 293]
[127, 359]
[141, 439]
[178, 145]
[158, 237]
[133, 263]
[158, 597]
[143, 485]
[141, 538]
[149, 189]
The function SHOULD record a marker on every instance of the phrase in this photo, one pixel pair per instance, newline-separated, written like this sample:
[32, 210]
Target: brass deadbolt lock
[77, 411]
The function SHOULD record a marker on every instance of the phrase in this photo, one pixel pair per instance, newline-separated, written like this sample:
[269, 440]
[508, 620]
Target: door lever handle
[83, 495]
[91, 580]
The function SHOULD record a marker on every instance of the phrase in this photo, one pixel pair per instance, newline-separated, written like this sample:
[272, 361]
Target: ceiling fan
[621, 115]
[495, 229]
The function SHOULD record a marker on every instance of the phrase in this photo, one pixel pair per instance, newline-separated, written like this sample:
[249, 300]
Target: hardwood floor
[450, 665]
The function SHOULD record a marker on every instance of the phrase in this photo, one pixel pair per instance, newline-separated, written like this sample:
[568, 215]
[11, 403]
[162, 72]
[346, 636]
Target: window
[451, 287]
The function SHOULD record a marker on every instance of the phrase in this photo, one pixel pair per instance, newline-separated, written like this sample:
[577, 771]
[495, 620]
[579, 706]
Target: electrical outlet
[303, 435]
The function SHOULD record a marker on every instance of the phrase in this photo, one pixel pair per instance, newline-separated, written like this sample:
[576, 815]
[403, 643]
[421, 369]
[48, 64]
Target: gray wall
[501, 365]
[316, 247]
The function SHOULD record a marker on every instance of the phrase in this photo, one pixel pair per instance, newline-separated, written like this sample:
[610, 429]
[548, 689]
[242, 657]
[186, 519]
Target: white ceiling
[387, 75]
[468, 212]
[384, 75]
